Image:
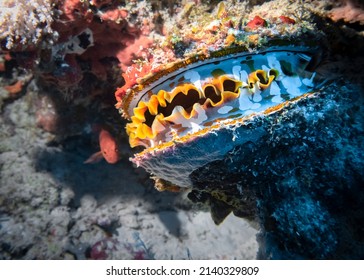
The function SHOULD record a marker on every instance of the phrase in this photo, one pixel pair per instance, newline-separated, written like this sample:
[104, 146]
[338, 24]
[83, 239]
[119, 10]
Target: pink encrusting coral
[131, 75]
[350, 11]
[89, 44]
[102, 33]
[80, 33]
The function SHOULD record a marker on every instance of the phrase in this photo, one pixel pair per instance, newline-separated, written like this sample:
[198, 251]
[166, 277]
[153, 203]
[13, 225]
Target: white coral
[25, 22]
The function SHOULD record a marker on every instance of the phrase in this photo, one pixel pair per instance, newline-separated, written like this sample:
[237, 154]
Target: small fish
[109, 149]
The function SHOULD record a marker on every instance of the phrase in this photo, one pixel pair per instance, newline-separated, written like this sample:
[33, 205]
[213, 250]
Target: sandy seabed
[53, 206]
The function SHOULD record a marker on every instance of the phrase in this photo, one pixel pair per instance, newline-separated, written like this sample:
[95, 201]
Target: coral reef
[26, 24]
[76, 50]
[190, 112]
[250, 107]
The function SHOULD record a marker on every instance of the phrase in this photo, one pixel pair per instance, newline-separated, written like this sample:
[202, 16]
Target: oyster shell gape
[194, 98]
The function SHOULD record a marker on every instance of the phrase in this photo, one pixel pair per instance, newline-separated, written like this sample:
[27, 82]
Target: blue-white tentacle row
[193, 97]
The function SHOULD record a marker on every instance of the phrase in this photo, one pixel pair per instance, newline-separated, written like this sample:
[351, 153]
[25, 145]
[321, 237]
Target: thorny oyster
[216, 91]
[239, 119]
[242, 70]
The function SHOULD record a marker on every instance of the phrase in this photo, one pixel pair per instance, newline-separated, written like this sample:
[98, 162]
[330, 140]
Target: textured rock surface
[302, 179]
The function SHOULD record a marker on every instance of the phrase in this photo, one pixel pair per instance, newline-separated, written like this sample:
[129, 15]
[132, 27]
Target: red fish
[109, 149]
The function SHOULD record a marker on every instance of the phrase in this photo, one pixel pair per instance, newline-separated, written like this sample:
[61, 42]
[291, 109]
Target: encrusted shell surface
[194, 110]
[176, 160]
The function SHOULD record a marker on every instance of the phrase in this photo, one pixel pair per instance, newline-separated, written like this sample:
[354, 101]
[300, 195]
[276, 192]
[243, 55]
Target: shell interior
[195, 97]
